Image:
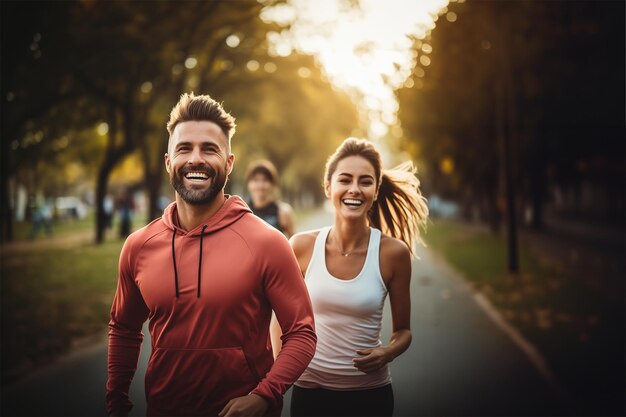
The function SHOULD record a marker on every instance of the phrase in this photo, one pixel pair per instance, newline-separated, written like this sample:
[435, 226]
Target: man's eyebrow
[179, 144]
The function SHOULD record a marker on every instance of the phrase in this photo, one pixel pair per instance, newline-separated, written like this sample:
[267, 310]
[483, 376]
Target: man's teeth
[196, 176]
[352, 202]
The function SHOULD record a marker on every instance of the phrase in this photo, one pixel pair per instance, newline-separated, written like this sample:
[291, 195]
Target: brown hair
[400, 209]
[201, 108]
[262, 166]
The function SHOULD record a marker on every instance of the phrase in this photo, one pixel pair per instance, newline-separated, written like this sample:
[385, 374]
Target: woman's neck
[350, 234]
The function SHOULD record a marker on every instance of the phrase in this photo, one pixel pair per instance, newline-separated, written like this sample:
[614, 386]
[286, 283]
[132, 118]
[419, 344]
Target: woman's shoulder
[303, 241]
[393, 248]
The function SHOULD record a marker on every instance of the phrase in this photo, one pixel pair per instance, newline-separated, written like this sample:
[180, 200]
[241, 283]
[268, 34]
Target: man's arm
[288, 295]
[128, 313]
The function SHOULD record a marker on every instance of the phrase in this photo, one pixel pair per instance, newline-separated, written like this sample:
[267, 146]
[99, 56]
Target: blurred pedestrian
[349, 269]
[125, 207]
[262, 183]
[108, 206]
[208, 274]
[42, 219]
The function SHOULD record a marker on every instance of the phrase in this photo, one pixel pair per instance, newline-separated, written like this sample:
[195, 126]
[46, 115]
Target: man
[208, 275]
[262, 182]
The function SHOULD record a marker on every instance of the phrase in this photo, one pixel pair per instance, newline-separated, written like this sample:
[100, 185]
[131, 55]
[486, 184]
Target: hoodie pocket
[197, 381]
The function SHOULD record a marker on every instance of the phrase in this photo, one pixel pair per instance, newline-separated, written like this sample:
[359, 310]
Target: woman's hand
[372, 359]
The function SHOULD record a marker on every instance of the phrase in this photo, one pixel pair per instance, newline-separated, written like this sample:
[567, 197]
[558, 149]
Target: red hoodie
[209, 295]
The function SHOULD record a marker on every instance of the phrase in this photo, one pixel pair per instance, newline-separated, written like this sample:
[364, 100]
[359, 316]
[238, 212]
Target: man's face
[198, 161]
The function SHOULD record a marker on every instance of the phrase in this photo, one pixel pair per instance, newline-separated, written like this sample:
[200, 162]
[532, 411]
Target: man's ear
[230, 163]
[166, 159]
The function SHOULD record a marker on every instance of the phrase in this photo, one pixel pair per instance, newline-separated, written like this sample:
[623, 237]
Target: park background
[513, 112]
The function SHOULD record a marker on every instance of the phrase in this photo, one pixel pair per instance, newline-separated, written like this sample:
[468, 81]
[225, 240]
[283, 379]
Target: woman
[349, 269]
[262, 182]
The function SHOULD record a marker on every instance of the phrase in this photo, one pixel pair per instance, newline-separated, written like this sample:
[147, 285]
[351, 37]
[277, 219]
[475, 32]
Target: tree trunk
[5, 203]
[537, 191]
[101, 190]
[5, 209]
[153, 187]
[505, 128]
[113, 156]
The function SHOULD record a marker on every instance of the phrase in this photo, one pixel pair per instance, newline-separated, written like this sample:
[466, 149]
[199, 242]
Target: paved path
[460, 362]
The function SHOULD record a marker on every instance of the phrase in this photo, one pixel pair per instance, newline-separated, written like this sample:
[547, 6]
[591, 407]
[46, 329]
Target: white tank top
[348, 317]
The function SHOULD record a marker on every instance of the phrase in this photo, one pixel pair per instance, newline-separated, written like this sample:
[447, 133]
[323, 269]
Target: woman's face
[260, 188]
[352, 188]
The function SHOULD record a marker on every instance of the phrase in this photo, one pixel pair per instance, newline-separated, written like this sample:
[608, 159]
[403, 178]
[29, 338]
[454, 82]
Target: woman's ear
[327, 189]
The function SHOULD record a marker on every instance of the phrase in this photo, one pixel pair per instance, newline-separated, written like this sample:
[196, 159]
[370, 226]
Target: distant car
[70, 207]
[438, 207]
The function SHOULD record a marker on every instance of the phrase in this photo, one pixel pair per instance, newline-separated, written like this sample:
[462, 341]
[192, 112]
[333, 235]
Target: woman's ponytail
[400, 210]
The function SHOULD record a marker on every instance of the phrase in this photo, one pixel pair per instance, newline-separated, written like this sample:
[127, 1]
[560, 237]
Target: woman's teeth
[352, 202]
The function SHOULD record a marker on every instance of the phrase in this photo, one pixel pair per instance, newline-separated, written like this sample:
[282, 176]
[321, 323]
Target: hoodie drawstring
[199, 262]
[174, 260]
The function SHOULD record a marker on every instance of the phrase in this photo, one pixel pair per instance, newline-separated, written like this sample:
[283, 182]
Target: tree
[120, 66]
[563, 78]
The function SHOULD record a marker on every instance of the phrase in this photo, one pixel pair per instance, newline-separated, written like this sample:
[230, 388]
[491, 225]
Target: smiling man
[207, 275]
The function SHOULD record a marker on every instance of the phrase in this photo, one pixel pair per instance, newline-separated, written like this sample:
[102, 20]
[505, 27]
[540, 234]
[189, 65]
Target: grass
[60, 228]
[575, 317]
[68, 227]
[56, 292]
[53, 297]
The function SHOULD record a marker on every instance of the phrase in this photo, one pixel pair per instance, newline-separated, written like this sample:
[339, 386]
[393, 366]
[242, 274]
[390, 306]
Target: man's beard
[203, 196]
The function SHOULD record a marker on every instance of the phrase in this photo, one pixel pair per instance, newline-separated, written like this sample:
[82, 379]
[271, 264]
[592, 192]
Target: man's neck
[191, 216]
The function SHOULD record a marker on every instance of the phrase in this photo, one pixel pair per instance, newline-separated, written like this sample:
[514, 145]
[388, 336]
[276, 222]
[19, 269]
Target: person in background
[262, 183]
[349, 269]
[125, 207]
[42, 219]
[108, 206]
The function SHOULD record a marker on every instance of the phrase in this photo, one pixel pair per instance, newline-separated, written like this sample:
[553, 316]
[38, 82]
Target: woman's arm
[398, 257]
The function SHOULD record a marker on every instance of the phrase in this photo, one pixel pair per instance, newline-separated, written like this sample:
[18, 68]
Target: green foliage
[126, 63]
[543, 74]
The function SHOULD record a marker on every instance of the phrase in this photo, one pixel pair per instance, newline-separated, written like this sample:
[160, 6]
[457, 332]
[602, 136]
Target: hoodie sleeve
[128, 313]
[288, 295]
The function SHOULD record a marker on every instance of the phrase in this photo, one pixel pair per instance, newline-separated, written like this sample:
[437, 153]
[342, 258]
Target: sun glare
[365, 50]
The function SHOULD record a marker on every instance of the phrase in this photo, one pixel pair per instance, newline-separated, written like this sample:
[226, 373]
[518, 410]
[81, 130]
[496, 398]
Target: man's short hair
[201, 108]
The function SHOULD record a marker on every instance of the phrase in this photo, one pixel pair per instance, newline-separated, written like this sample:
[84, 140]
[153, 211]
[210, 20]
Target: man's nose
[195, 156]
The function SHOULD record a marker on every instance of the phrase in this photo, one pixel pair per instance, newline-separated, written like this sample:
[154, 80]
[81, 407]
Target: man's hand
[372, 359]
[251, 405]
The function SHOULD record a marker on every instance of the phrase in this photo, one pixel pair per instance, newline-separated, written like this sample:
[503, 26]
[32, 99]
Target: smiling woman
[349, 268]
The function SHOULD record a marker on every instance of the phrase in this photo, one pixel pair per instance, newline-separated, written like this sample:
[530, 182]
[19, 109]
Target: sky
[366, 50]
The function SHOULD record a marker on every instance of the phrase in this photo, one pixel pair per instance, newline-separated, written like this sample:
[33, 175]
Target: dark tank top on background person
[268, 213]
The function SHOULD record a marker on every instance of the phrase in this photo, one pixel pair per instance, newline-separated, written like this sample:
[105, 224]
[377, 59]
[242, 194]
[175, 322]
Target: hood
[232, 210]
